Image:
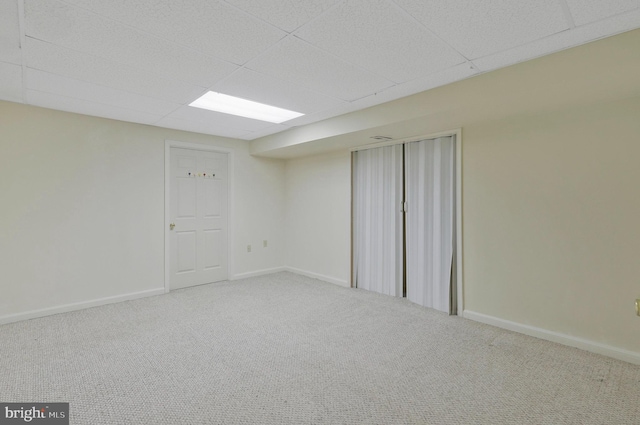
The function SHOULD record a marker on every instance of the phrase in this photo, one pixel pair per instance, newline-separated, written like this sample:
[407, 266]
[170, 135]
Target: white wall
[83, 208]
[258, 213]
[318, 219]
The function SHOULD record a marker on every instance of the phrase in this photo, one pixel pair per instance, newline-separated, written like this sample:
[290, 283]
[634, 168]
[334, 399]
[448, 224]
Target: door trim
[458, 195]
[168, 144]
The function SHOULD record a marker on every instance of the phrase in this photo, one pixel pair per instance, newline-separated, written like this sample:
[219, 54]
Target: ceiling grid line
[245, 65]
[614, 15]
[567, 14]
[319, 16]
[169, 114]
[553, 36]
[283, 29]
[219, 81]
[338, 58]
[407, 50]
[293, 34]
[427, 29]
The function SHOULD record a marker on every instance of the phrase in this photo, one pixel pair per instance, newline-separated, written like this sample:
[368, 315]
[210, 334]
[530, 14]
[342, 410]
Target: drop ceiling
[144, 61]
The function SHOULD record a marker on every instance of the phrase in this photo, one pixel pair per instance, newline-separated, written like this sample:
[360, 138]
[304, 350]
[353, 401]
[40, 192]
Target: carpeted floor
[285, 349]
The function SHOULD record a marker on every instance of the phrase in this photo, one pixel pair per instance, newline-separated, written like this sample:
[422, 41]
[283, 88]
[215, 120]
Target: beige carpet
[285, 349]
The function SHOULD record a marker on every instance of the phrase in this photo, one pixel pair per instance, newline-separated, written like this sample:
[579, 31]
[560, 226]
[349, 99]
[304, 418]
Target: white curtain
[429, 170]
[377, 220]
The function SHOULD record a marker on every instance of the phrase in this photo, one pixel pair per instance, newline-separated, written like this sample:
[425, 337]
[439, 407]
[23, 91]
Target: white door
[198, 217]
[378, 243]
[429, 171]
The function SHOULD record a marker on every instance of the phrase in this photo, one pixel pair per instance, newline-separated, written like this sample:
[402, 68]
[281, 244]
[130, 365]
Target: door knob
[171, 226]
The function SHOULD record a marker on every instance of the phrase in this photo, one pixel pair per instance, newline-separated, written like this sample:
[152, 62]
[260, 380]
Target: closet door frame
[458, 200]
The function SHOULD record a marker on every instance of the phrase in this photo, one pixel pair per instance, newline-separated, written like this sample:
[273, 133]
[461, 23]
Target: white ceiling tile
[55, 84]
[201, 127]
[207, 26]
[444, 77]
[9, 32]
[560, 41]
[287, 15]
[586, 11]
[143, 60]
[379, 36]
[263, 88]
[321, 115]
[276, 128]
[478, 28]
[62, 103]
[81, 66]
[450, 75]
[10, 82]
[217, 118]
[296, 61]
[84, 31]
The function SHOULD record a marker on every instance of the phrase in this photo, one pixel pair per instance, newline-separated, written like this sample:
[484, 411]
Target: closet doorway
[405, 219]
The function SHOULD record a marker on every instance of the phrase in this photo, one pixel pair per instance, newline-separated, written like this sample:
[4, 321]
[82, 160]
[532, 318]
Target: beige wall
[550, 197]
[550, 215]
[318, 220]
[83, 207]
[551, 208]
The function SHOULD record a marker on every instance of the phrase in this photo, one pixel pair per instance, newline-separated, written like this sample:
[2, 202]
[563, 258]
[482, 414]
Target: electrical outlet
[264, 243]
[248, 248]
[638, 306]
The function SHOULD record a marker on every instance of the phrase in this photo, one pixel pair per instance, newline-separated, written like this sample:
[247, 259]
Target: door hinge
[403, 207]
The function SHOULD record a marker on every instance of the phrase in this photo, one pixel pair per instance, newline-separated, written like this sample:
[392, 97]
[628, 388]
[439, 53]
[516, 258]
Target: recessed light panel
[226, 104]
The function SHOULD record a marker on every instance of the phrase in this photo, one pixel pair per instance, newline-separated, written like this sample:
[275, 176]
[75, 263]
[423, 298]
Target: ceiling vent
[382, 138]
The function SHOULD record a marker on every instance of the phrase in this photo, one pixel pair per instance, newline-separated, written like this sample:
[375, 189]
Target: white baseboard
[313, 275]
[594, 347]
[33, 314]
[257, 273]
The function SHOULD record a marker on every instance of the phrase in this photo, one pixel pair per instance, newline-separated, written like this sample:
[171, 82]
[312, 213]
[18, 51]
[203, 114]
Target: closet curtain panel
[429, 168]
[377, 220]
